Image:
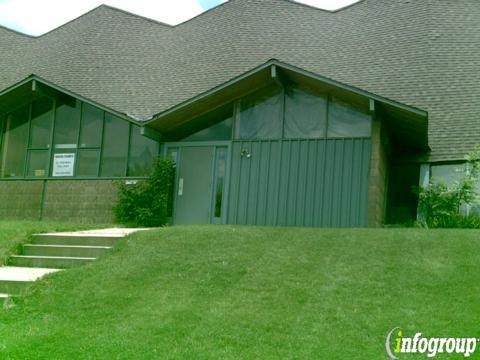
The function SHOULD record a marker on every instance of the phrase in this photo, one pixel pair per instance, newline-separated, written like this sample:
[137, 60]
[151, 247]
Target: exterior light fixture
[246, 153]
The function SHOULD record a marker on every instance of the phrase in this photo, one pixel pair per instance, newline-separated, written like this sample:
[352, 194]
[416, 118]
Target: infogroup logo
[397, 344]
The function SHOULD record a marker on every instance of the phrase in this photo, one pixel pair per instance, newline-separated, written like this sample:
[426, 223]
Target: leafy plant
[440, 204]
[148, 202]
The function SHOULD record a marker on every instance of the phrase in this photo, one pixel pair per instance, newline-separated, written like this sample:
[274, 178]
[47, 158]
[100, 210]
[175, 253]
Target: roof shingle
[423, 53]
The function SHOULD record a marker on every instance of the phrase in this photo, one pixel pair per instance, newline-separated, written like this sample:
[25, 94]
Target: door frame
[226, 186]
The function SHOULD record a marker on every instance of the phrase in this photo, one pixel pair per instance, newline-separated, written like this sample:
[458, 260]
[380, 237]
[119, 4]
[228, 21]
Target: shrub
[440, 204]
[148, 202]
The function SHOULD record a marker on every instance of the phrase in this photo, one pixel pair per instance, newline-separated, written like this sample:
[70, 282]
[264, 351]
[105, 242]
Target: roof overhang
[408, 124]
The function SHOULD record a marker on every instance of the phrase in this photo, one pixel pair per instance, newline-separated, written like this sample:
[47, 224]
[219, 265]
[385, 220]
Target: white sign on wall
[63, 164]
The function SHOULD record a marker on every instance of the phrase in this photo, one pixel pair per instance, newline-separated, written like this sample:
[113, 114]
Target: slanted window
[345, 120]
[90, 142]
[143, 152]
[92, 127]
[88, 162]
[62, 137]
[65, 138]
[218, 132]
[305, 114]
[115, 147]
[260, 115]
[41, 125]
[40, 138]
[215, 125]
[273, 112]
[15, 143]
[37, 163]
[67, 122]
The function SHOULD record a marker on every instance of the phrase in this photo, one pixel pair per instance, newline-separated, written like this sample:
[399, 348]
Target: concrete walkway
[17, 273]
[52, 252]
[113, 232]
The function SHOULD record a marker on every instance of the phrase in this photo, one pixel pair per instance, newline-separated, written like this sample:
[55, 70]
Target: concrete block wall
[20, 200]
[59, 200]
[80, 200]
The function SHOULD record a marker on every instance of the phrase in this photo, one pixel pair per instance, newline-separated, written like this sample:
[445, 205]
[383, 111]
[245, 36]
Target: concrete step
[17, 273]
[14, 280]
[64, 250]
[72, 240]
[13, 287]
[57, 262]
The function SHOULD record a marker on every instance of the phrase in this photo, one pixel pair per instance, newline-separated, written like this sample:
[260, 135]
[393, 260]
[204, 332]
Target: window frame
[33, 149]
[7, 118]
[131, 126]
[329, 99]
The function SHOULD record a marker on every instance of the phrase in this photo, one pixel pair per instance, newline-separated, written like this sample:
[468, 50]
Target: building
[276, 113]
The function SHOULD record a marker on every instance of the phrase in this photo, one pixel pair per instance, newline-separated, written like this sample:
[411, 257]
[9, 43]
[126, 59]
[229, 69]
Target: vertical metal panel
[300, 216]
[244, 185]
[310, 183]
[319, 194]
[355, 195]
[300, 182]
[282, 198]
[234, 188]
[292, 173]
[338, 177]
[253, 193]
[328, 183]
[348, 166]
[273, 184]
[262, 183]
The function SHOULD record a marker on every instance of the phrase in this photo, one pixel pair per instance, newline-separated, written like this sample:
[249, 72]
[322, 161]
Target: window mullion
[52, 133]
[8, 122]
[99, 172]
[130, 128]
[77, 156]
[27, 153]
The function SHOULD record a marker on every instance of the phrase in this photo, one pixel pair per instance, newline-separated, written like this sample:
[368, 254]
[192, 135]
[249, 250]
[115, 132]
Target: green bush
[459, 221]
[149, 202]
[440, 204]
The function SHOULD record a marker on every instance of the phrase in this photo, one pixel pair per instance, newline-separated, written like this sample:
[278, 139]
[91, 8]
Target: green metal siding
[300, 182]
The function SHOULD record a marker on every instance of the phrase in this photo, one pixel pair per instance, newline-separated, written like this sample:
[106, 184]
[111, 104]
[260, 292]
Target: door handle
[180, 187]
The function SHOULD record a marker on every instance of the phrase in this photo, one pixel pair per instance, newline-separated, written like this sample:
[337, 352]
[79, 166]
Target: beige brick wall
[378, 177]
[63, 200]
[20, 199]
[80, 200]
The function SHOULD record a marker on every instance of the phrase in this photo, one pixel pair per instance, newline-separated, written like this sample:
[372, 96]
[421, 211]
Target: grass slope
[252, 293]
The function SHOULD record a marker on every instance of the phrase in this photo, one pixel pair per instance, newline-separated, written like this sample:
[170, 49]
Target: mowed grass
[224, 292]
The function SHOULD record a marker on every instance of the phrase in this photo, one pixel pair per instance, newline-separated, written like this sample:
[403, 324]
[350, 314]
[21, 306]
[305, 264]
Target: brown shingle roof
[423, 53]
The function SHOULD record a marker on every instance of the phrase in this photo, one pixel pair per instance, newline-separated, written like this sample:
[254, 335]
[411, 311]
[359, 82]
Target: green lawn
[217, 292]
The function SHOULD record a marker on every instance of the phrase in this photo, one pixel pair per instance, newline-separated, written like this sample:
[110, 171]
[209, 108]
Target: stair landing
[17, 273]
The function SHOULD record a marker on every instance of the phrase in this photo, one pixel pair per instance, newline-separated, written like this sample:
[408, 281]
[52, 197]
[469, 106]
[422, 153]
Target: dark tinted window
[305, 114]
[115, 147]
